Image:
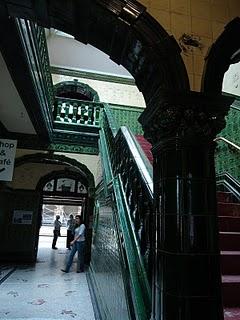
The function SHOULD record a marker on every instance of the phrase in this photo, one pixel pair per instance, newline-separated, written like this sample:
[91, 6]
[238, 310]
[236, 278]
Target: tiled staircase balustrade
[71, 111]
[127, 189]
[136, 173]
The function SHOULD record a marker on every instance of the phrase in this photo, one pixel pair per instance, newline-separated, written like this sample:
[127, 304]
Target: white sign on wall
[22, 217]
[7, 156]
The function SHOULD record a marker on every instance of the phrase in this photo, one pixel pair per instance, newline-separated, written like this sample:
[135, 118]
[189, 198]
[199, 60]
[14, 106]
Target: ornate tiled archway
[58, 159]
[123, 30]
[223, 52]
[75, 90]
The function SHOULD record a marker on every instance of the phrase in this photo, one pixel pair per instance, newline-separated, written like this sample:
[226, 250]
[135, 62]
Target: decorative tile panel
[127, 117]
[106, 266]
[228, 159]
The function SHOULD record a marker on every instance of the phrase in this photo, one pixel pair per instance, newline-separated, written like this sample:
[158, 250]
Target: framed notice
[22, 217]
[7, 157]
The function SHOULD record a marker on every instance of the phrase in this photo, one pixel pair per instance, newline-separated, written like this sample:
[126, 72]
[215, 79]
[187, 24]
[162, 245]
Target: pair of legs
[79, 247]
[70, 238]
[56, 233]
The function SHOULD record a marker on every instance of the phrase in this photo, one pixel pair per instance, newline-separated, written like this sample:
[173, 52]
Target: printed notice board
[7, 156]
[22, 217]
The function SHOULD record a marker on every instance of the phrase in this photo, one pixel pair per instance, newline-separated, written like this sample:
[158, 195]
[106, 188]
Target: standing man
[56, 231]
[78, 245]
[70, 230]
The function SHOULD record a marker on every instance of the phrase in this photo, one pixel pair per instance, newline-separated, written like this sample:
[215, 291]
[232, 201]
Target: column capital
[185, 115]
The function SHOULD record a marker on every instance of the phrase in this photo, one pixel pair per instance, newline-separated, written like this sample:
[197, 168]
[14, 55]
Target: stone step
[231, 290]
[229, 241]
[223, 196]
[228, 209]
[230, 262]
[229, 224]
[231, 313]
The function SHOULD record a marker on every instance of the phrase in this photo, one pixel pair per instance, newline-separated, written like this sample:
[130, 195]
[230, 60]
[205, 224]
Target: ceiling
[63, 51]
[13, 114]
[19, 112]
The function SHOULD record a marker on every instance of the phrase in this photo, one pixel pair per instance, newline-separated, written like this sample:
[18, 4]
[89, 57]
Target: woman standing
[78, 245]
[70, 230]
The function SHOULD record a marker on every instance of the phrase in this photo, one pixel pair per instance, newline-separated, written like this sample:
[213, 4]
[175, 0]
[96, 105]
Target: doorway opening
[49, 212]
[63, 208]
[63, 193]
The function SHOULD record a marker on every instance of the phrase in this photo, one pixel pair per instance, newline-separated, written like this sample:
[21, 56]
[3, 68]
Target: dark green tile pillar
[186, 272]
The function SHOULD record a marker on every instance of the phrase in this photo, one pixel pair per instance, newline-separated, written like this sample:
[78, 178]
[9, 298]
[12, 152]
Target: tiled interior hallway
[42, 291]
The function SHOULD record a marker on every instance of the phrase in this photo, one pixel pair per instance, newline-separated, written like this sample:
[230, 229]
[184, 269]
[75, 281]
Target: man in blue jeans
[78, 245]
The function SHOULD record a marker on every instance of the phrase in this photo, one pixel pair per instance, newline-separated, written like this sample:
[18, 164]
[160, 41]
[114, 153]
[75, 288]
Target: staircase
[229, 226]
[146, 146]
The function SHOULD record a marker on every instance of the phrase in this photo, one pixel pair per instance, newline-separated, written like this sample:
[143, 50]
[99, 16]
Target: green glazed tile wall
[127, 116]
[106, 267]
[227, 159]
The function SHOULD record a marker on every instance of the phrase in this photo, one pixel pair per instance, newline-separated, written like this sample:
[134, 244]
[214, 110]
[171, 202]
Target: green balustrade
[66, 110]
[77, 112]
[128, 183]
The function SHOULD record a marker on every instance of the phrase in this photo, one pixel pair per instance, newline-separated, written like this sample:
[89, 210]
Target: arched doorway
[71, 185]
[67, 94]
[64, 188]
[63, 193]
[75, 90]
[124, 31]
[223, 53]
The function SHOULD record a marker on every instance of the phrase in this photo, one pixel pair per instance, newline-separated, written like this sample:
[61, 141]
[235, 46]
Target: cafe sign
[7, 156]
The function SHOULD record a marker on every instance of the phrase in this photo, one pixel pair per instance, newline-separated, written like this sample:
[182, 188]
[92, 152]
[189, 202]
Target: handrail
[228, 142]
[234, 107]
[236, 103]
[132, 187]
[230, 183]
[141, 160]
[107, 168]
[141, 289]
[35, 50]
[111, 120]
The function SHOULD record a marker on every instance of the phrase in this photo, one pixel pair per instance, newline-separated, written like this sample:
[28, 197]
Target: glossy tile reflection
[42, 291]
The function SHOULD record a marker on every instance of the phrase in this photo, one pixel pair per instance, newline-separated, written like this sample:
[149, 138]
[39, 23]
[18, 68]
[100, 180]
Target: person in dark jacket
[56, 231]
[70, 230]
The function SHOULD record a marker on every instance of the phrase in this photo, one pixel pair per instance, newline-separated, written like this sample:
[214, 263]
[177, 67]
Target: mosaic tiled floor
[42, 291]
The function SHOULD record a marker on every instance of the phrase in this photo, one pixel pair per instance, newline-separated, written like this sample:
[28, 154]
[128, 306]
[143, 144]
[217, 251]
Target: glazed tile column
[186, 272]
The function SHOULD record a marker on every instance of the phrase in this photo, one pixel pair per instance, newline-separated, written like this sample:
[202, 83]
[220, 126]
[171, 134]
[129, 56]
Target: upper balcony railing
[79, 112]
[40, 87]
